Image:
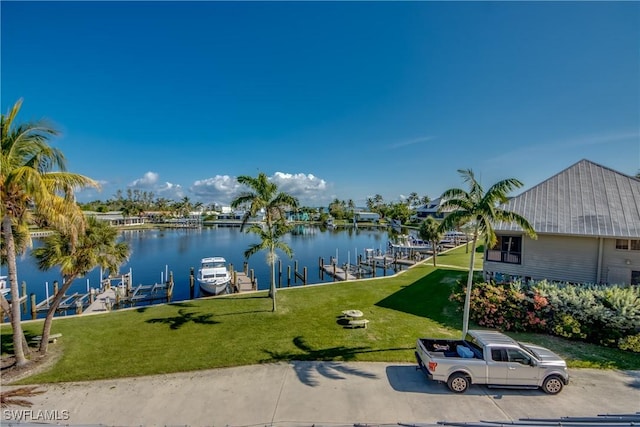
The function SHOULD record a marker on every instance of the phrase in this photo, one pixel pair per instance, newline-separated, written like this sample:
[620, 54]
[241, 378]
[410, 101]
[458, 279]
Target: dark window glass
[622, 244]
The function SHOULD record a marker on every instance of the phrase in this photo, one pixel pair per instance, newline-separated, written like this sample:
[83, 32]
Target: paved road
[320, 393]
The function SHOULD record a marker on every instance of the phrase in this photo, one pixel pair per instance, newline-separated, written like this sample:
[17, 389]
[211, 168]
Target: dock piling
[191, 284]
[24, 294]
[33, 306]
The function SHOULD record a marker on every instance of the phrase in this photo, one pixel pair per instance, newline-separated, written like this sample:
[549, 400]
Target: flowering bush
[602, 314]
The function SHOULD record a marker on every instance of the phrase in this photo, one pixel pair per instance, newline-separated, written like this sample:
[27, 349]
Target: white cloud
[308, 188]
[147, 181]
[150, 181]
[219, 189]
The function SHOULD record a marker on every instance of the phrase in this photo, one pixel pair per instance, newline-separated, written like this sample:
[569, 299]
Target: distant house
[366, 216]
[587, 218]
[116, 219]
[431, 209]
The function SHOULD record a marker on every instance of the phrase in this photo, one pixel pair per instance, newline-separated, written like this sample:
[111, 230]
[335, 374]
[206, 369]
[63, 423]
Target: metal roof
[585, 199]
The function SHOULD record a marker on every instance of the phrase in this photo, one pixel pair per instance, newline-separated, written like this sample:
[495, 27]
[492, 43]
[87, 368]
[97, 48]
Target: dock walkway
[242, 282]
[337, 272]
[103, 302]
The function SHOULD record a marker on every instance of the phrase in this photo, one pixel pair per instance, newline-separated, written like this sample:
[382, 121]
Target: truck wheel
[458, 383]
[552, 384]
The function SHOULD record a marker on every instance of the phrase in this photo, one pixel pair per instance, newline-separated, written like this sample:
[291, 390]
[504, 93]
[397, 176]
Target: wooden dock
[337, 272]
[103, 302]
[241, 282]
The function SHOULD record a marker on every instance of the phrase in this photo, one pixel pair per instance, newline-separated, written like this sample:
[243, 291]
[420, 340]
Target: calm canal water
[154, 252]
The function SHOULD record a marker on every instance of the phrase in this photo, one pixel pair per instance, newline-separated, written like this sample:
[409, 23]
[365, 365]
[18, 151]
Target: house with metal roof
[432, 209]
[587, 218]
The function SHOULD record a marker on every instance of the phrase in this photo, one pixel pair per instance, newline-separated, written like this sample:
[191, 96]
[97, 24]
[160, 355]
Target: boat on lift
[214, 276]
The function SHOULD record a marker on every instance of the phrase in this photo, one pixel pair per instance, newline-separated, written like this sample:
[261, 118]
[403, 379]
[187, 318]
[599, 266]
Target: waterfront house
[361, 216]
[117, 219]
[587, 218]
[431, 209]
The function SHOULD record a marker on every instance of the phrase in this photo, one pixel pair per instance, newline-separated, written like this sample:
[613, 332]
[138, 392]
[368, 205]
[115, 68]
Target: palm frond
[16, 396]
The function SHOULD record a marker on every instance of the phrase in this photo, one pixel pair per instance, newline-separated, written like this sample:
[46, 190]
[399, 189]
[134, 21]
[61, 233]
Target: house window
[628, 244]
[508, 249]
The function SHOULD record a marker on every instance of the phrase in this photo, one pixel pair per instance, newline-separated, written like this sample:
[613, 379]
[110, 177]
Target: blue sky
[330, 99]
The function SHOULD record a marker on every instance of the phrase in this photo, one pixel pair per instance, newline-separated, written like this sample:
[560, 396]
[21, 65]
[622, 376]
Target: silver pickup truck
[491, 358]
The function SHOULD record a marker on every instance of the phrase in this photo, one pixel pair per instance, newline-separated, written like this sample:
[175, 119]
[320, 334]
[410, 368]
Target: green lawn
[241, 329]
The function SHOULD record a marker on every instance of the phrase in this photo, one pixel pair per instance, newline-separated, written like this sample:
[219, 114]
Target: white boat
[213, 276]
[405, 242]
[4, 285]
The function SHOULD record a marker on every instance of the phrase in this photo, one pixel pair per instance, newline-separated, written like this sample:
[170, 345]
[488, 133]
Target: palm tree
[270, 240]
[482, 210]
[32, 180]
[266, 197]
[97, 247]
[431, 232]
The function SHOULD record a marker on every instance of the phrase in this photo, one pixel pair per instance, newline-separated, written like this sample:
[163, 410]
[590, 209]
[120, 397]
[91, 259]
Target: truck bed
[449, 348]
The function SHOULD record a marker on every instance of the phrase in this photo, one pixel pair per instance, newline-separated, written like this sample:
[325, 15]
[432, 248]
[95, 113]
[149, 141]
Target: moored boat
[4, 285]
[406, 242]
[214, 276]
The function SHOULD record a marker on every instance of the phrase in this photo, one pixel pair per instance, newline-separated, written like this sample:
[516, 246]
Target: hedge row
[603, 314]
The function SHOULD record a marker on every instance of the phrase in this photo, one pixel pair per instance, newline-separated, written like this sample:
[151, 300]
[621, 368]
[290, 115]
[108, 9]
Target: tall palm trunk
[467, 297]
[18, 336]
[273, 280]
[48, 321]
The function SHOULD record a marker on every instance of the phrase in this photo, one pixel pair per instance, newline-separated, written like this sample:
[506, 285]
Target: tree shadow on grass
[183, 317]
[144, 308]
[322, 361]
[428, 297]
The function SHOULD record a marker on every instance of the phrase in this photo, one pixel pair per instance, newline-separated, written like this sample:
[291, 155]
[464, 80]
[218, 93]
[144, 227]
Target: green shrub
[631, 343]
[565, 325]
[601, 314]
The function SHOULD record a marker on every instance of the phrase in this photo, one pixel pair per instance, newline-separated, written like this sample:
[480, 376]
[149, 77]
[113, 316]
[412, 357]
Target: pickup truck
[493, 359]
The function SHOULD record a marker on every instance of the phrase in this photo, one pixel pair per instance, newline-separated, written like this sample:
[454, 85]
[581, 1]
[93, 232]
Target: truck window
[518, 356]
[499, 355]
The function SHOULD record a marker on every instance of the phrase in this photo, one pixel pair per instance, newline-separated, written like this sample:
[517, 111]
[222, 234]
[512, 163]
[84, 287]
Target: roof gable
[585, 199]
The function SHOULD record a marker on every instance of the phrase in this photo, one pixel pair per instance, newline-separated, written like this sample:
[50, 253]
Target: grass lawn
[241, 329]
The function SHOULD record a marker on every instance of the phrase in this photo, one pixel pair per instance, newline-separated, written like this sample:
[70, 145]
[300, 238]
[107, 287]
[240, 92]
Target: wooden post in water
[33, 306]
[24, 296]
[127, 282]
[289, 276]
[192, 283]
[246, 268]
[279, 273]
[334, 272]
[304, 272]
[295, 272]
[252, 275]
[91, 296]
[321, 266]
[170, 287]
[55, 287]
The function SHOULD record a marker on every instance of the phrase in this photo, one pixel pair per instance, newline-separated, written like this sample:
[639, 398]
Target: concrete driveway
[317, 393]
